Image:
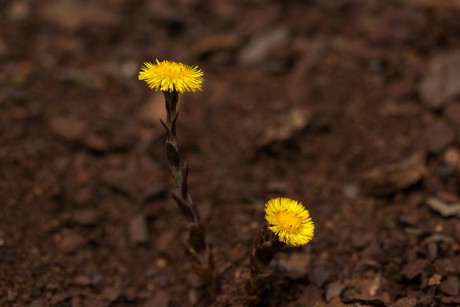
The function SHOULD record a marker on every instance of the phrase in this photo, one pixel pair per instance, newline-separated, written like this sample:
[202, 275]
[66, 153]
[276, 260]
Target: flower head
[170, 76]
[289, 220]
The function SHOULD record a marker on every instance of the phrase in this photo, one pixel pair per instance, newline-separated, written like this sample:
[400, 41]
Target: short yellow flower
[289, 220]
[170, 76]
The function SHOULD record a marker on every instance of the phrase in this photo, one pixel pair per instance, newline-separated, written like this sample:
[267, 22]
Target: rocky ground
[352, 107]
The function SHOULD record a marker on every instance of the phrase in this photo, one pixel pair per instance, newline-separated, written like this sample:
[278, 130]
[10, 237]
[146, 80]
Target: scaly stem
[203, 260]
[265, 248]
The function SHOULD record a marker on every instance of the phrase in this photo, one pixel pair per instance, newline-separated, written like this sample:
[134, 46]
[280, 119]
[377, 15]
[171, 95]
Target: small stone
[439, 136]
[450, 286]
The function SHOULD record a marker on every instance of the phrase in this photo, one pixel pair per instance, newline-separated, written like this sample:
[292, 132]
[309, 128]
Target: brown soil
[320, 101]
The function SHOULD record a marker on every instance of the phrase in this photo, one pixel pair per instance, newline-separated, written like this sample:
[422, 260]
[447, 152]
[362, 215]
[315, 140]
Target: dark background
[351, 107]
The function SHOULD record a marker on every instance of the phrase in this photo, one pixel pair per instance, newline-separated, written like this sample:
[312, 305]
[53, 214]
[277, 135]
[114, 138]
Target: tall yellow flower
[170, 76]
[289, 220]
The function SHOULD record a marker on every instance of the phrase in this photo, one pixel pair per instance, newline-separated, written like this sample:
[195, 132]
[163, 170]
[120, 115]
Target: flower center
[289, 221]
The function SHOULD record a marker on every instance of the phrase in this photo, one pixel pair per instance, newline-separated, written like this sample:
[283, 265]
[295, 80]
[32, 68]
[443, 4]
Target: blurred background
[351, 107]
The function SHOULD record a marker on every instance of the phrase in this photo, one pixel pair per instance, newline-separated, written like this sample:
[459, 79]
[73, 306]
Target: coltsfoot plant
[287, 220]
[287, 223]
[173, 78]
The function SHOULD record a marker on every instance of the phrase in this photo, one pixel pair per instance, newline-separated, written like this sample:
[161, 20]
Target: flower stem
[266, 245]
[203, 261]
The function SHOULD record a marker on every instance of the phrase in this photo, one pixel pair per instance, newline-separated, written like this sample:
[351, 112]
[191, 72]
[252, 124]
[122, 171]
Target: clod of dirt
[439, 135]
[392, 178]
[442, 81]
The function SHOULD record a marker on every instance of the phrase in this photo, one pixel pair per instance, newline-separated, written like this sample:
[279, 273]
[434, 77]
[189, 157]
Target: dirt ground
[351, 107]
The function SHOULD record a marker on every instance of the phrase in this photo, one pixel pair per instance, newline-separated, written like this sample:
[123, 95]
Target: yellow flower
[170, 76]
[289, 220]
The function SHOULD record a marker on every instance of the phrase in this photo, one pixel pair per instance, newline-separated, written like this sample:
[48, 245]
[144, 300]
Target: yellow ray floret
[170, 76]
[289, 220]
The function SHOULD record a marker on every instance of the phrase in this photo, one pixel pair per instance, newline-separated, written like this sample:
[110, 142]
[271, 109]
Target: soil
[351, 107]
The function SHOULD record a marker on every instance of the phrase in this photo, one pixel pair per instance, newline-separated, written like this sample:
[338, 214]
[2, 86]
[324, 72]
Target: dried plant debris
[443, 208]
